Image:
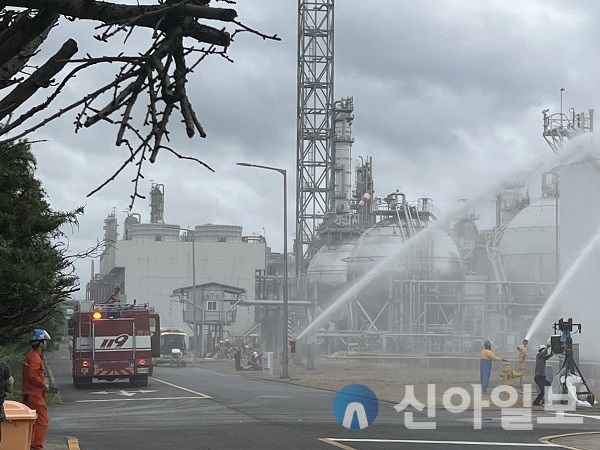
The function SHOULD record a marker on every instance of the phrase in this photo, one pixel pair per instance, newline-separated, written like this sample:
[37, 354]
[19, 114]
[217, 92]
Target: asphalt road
[196, 408]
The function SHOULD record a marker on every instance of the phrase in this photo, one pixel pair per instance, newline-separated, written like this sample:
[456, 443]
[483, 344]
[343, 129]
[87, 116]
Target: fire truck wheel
[80, 382]
[142, 380]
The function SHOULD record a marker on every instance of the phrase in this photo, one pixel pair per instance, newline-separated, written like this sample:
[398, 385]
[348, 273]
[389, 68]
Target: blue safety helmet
[487, 344]
[39, 334]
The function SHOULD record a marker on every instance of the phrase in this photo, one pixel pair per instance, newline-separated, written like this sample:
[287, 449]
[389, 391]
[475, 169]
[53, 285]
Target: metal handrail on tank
[560, 121]
[559, 126]
[397, 204]
[400, 226]
[411, 216]
[410, 219]
[557, 121]
[426, 205]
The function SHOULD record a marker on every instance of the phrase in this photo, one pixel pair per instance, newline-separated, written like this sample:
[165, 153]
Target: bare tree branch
[140, 16]
[157, 75]
[23, 32]
[39, 79]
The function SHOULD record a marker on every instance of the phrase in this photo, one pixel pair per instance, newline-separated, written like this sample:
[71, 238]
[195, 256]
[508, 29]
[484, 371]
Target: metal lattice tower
[315, 154]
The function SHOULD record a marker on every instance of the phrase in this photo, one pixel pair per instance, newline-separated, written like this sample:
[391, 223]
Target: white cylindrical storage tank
[579, 221]
[218, 233]
[153, 232]
[579, 209]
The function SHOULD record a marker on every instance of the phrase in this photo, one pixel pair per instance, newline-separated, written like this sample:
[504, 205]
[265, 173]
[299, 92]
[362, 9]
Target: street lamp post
[561, 100]
[195, 355]
[285, 265]
[194, 303]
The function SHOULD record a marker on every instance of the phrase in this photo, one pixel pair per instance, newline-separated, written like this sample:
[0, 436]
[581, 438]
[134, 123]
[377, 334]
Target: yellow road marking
[73, 443]
[336, 444]
[199, 394]
[548, 439]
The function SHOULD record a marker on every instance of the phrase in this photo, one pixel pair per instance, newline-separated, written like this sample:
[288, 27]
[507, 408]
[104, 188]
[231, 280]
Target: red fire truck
[114, 341]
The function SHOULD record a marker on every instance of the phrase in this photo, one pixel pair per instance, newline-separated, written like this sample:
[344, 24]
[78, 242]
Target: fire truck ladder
[84, 322]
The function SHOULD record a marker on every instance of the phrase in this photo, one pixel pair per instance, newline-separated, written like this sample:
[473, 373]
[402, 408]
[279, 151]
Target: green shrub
[13, 356]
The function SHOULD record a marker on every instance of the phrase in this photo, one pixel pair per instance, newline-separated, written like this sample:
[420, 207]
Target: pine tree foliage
[36, 274]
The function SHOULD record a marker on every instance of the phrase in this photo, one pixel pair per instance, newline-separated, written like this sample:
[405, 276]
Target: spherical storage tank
[383, 253]
[528, 245]
[434, 255]
[327, 271]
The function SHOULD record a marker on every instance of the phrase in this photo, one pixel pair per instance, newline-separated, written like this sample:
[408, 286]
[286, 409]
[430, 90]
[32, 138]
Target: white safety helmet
[39, 334]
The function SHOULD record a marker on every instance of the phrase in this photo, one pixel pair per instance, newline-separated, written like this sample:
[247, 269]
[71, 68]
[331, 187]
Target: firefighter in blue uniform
[485, 364]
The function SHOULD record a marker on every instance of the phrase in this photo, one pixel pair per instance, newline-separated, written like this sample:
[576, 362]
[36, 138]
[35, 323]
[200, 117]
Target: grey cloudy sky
[447, 94]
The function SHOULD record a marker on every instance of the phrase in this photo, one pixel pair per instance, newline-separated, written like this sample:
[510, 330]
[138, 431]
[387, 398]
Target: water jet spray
[564, 281]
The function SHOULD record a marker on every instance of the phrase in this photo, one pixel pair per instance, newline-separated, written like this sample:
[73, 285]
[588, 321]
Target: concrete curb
[50, 374]
[58, 442]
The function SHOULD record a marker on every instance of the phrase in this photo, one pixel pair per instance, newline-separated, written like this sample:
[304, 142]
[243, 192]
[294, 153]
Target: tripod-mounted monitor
[562, 344]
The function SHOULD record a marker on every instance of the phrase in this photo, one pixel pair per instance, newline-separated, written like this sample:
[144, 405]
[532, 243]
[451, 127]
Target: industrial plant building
[380, 273]
[165, 265]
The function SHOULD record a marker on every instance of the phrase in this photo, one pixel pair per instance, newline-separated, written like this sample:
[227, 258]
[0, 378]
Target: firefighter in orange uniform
[114, 297]
[34, 387]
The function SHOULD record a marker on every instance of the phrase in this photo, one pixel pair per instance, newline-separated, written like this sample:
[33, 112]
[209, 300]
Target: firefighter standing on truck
[114, 297]
[34, 387]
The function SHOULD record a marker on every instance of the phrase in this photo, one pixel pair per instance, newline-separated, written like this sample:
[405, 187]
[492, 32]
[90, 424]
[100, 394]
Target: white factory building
[149, 262]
